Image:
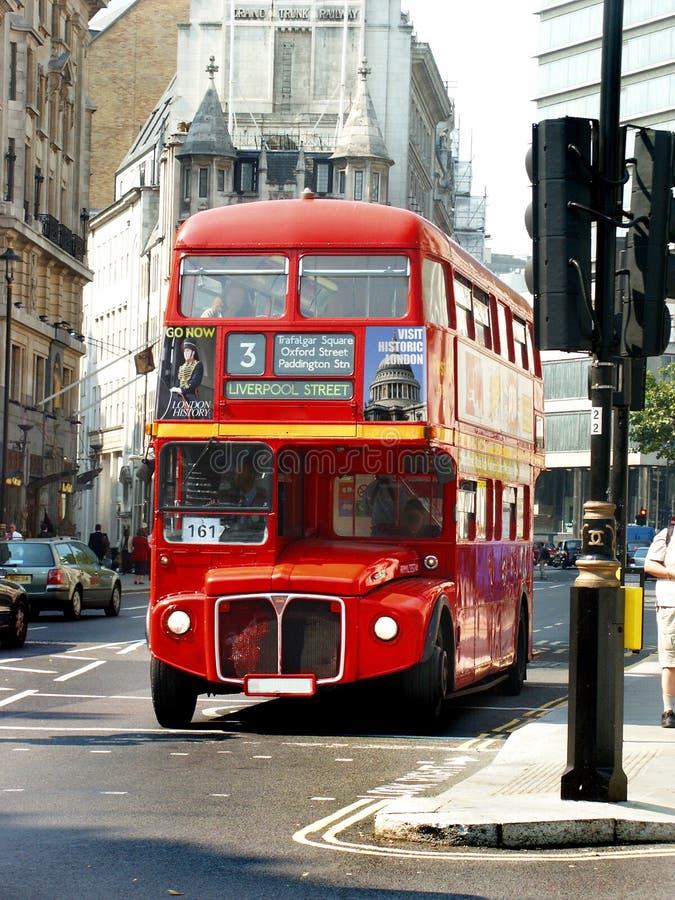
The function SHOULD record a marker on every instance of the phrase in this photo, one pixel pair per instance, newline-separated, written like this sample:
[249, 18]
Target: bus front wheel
[174, 695]
[428, 683]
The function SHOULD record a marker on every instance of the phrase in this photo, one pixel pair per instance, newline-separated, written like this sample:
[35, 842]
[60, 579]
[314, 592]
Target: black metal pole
[595, 727]
[9, 257]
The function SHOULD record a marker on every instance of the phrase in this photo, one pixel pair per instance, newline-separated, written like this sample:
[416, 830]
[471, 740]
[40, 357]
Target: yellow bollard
[633, 612]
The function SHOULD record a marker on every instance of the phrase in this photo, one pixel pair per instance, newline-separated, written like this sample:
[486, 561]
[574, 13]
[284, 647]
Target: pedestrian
[13, 534]
[140, 556]
[660, 563]
[99, 543]
[125, 550]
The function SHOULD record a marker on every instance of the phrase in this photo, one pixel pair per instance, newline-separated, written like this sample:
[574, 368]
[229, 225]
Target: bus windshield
[215, 492]
[214, 287]
[354, 287]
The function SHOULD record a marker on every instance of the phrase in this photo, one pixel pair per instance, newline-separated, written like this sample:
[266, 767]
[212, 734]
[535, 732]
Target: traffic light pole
[595, 727]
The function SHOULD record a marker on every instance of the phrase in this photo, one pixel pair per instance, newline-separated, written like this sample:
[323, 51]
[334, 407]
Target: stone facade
[45, 124]
[130, 64]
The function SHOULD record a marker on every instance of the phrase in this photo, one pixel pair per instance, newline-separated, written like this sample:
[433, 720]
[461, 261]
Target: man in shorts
[660, 563]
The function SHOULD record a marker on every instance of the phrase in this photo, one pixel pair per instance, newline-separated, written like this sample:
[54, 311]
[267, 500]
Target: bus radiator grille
[310, 639]
[248, 637]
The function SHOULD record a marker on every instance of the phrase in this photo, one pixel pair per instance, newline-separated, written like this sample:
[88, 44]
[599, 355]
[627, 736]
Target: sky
[484, 50]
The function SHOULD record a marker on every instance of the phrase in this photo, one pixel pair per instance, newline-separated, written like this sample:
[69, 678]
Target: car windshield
[18, 553]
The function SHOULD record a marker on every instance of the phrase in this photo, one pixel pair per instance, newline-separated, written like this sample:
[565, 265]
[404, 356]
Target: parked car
[633, 546]
[13, 615]
[60, 573]
[635, 563]
[566, 553]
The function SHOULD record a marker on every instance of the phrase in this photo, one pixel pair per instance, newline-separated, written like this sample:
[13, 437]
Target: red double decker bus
[349, 427]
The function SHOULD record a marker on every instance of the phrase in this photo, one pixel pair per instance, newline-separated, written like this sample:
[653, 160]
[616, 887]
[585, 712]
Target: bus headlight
[385, 628]
[178, 622]
[431, 562]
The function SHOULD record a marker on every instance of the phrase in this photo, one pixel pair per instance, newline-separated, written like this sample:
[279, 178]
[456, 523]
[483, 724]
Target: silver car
[62, 574]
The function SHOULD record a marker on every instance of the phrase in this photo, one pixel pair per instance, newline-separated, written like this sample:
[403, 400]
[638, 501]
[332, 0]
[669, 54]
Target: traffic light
[641, 518]
[645, 319]
[559, 222]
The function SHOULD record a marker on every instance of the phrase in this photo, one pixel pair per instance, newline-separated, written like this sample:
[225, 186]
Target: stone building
[45, 127]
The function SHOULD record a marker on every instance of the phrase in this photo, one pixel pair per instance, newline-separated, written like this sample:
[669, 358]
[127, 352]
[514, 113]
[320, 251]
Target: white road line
[81, 671]
[131, 647]
[26, 669]
[16, 697]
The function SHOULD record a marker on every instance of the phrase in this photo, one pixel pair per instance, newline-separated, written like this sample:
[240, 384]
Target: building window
[375, 187]
[187, 173]
[12, 71]
[220, 180]
[39, 375]
[203, 182]
[10, 159]
[358, 185]
[246, 176]
[16, 378]
[342, 181]
[323, 177]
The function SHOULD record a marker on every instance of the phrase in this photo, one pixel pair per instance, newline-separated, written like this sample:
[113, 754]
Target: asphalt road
[256, 799]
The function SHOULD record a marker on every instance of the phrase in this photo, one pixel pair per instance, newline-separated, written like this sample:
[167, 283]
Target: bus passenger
[235, 304]
[415, 520]
[215, 310]
[247, 493]
[379, 502]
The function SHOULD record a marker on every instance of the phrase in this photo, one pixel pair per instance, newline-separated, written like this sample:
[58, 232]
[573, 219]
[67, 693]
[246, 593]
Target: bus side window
[434, 293]
[509, 513]
[463, 306]
[503, 327]
[520, 343]
[481, 316]
[466, 510]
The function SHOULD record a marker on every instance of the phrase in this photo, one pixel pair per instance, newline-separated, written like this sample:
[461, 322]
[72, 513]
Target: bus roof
[330, 224]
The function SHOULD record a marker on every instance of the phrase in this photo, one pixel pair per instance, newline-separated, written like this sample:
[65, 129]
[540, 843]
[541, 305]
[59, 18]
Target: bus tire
[428, 684]
[517, 672]
[174, 695]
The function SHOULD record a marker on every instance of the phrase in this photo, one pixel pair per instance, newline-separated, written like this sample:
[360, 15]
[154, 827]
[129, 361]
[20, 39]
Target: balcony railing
[63, 237]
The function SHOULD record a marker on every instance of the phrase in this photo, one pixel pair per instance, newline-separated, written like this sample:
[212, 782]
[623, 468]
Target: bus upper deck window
[233, 287]
[354, 287]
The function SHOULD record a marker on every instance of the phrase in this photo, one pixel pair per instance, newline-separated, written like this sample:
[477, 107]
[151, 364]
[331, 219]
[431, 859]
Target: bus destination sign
[259, 389]
[314, 354]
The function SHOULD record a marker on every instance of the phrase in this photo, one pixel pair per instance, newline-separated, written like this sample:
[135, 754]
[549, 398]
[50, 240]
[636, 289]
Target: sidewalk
[514, 803]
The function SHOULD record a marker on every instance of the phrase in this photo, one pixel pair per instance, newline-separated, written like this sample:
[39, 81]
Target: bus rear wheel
[517, 673]
[174, 695]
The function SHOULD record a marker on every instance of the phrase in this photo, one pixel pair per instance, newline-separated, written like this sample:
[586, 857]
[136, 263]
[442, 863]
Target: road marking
[329, 828]
[131, 647]
[26, 669]
[81, 671]
[16, 697]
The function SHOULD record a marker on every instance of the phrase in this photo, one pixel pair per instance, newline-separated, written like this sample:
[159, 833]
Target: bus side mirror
[444, 467]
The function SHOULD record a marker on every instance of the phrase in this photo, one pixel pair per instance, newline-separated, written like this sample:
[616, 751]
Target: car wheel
[174, 695]
[15, 636]
[517, 673]
[115, 603]
[74, 609]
